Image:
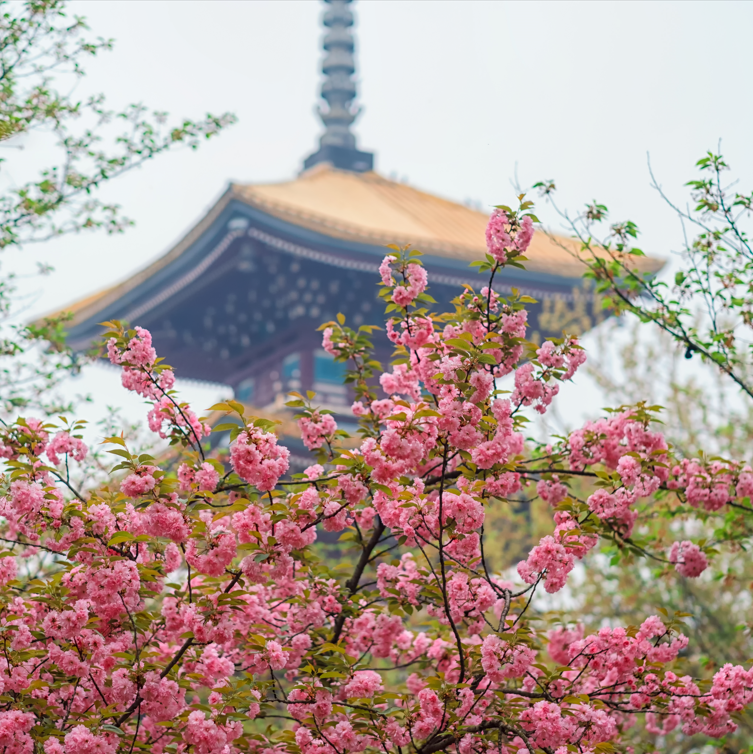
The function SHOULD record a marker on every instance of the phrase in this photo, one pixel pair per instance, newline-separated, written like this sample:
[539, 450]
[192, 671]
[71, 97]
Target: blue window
[291, 367]
[326, 369]
[245, 390]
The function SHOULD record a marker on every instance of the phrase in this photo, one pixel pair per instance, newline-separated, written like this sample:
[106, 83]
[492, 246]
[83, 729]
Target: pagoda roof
[369, 210]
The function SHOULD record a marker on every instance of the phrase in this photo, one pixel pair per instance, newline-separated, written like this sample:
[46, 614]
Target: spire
[337, 144]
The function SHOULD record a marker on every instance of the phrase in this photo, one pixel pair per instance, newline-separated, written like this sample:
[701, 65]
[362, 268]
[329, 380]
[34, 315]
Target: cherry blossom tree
[689, 350]
[182, 605]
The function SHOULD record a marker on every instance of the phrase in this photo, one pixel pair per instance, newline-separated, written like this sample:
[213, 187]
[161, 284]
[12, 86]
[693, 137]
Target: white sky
[456, 94]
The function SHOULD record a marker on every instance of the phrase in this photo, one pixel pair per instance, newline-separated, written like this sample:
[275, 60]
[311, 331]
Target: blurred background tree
[42, 53]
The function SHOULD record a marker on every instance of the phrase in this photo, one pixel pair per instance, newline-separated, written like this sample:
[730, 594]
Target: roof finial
[337, 144]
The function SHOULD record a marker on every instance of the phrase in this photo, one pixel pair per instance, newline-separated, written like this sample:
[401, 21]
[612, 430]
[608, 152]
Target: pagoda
[239, 299]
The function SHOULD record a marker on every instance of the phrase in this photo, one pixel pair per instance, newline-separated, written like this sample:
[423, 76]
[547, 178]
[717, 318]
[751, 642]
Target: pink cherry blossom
[214, 555]
[327, 344]
[206, 477]
[690, 560]
[317, 429]
[498, 240]
[208, 737]
[416, 280]
[140, 482]
[385, 271]
[365, 683]
[257, 458]
[80, 740]
[14, 732]
[63, 444]
[169, 602]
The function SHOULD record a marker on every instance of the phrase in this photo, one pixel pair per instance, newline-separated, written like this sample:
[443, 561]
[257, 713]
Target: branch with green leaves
[706, 309]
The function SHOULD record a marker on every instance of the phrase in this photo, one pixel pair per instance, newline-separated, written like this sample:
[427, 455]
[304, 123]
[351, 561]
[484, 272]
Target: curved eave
[90, 306]
[368, 208]
[345, 247]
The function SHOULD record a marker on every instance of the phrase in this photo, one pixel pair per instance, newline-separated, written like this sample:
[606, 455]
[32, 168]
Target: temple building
[238, 300]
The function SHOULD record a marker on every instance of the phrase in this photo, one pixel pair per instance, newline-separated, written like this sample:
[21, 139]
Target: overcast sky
[455, 95]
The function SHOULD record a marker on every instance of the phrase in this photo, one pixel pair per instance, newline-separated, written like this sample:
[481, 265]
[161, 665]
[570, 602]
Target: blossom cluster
[184, 604]
[506, 236]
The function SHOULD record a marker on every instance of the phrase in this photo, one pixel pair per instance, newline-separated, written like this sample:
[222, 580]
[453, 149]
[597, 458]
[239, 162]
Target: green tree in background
[42, 49]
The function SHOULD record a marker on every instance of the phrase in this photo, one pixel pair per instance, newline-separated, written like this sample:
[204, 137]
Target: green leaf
[225, 427]
[237, 407]
[113, 729]
[329, 647]
[121, 453]
[121, 536]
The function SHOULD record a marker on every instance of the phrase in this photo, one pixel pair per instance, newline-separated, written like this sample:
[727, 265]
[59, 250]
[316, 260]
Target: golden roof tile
[369, 209]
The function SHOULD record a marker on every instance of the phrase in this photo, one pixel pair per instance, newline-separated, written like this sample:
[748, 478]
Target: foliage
[714, 279]
[38, 39]
[39, 46]
[719, 615]
[706, 405]
[702, 408]
[165, 608]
